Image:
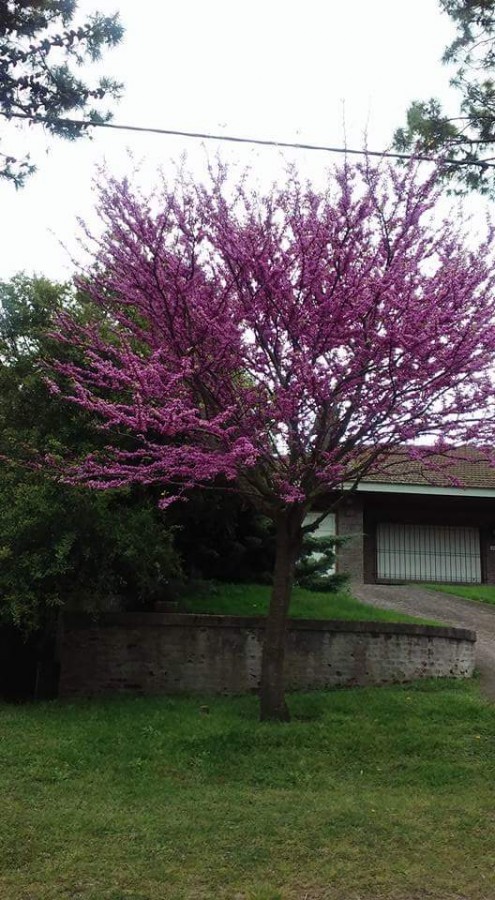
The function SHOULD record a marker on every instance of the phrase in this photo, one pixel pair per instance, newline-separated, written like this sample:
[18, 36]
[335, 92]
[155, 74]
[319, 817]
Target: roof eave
[377, 487]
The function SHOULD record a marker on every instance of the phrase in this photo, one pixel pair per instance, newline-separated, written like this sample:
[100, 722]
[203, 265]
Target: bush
[313, 569]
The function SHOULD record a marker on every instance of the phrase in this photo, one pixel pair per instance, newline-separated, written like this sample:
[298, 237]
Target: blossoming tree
[282, 341]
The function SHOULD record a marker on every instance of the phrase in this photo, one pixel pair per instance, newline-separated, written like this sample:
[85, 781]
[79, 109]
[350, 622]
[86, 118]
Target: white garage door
[428, 553]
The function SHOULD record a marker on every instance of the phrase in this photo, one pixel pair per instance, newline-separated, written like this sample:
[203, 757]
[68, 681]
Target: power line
[206, 136]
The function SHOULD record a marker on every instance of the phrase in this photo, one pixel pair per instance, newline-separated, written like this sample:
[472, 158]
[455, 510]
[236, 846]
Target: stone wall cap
[200, 620]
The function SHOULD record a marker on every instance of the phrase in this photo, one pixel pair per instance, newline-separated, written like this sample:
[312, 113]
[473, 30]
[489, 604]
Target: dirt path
[446, 609]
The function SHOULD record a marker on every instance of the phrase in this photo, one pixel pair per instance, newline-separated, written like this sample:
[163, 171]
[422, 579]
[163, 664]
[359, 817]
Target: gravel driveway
[446, 609]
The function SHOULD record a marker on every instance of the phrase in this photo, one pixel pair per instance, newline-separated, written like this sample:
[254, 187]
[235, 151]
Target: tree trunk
[272, 685]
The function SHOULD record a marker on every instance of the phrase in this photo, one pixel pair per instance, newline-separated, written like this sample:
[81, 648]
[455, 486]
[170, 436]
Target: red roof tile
[465, 467]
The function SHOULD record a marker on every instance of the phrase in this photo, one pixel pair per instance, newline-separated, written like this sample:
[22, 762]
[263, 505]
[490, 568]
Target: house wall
[350, 524]
[488, 554]
[153, 653]
[427, 510]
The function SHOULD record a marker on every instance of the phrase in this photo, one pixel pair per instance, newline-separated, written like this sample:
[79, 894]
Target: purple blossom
[272, 339]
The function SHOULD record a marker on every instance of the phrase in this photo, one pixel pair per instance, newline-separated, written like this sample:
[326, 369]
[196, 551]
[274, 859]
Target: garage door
[428, 553]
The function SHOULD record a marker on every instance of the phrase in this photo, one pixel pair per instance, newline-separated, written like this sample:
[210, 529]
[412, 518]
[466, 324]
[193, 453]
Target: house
[410, 523]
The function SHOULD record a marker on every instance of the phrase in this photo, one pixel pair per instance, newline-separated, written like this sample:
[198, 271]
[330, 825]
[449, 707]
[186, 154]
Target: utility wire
[205, 136]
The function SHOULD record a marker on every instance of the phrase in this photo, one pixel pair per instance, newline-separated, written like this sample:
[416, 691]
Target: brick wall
[488, 555]
[152, 653]
[350, 557]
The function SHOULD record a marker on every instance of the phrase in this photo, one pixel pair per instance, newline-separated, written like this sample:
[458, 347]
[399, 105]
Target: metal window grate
[428, 553]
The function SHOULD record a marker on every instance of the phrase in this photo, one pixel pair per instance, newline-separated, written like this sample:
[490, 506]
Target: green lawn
[252, 600]
[373, 793]
[483, 593]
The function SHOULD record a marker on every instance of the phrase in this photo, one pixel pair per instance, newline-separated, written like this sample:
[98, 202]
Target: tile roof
[465, 467]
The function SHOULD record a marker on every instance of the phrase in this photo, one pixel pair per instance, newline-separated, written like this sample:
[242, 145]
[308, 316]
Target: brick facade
[350, 524]
[360, 515]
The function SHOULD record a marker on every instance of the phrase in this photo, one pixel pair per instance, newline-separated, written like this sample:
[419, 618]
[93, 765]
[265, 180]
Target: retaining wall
[153, 653]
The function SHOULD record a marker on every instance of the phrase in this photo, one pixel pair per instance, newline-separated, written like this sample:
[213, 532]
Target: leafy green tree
[41, 48]
[220, 537]
[468, 138]
[61, 545]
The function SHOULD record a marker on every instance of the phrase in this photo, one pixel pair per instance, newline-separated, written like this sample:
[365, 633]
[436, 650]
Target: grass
[252, 600]
[483, 593]
[369, 793]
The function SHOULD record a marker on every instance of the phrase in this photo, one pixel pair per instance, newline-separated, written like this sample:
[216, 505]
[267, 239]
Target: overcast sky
[268, 68]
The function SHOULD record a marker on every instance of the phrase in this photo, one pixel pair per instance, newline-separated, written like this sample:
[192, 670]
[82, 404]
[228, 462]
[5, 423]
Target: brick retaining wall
[153, 653]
